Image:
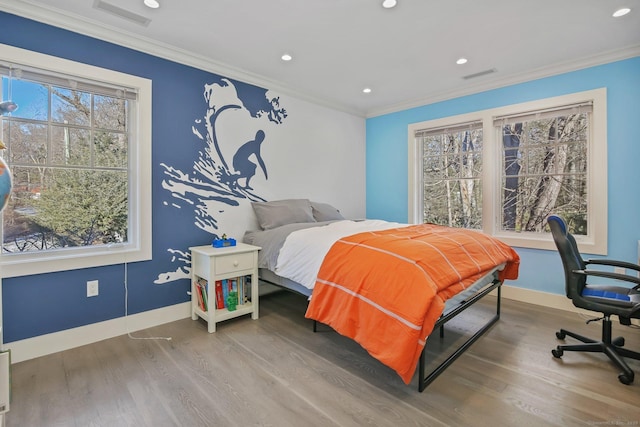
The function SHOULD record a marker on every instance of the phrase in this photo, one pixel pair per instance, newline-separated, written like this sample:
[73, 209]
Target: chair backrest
[571, 259]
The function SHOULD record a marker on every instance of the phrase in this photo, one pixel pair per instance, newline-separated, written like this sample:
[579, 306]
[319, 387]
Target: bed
[386, 285]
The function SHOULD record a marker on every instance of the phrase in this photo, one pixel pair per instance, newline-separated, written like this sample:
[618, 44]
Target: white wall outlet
[92, 288]
[619, 270]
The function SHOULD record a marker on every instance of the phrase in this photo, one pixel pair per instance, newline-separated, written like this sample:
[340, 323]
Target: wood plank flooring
[275, 371]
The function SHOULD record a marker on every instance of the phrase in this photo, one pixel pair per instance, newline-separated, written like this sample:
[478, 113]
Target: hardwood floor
[276, 372]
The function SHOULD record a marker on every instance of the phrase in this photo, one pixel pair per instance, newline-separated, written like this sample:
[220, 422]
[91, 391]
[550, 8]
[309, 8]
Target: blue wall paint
[387, 161]
[41, 304]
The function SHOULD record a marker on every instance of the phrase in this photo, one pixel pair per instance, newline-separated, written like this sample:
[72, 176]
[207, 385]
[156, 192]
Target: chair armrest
[608, 275]
[614, 263]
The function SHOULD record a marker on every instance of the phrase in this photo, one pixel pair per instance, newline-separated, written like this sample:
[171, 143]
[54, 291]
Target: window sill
[16, 265]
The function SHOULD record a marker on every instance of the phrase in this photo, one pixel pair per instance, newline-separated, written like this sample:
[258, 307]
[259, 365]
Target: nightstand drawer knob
[235, 263]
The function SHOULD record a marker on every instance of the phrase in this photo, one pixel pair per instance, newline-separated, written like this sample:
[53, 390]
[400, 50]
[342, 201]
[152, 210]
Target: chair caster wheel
[558, 352]
[618, 342]
[560, 335]
[625, 379]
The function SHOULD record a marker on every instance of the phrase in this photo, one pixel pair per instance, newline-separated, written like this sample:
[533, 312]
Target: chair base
[613, 348]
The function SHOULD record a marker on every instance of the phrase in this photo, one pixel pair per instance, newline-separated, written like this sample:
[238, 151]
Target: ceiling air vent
[121, 13]
[481, 73]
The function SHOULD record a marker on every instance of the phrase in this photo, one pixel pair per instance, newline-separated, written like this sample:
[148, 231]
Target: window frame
[595, 241]
[139, 244]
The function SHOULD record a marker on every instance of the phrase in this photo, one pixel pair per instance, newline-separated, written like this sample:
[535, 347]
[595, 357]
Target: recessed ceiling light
[286, 57]
[366, 90]
[621, 12]
[461, 61]
[388, 4]
[153, 4]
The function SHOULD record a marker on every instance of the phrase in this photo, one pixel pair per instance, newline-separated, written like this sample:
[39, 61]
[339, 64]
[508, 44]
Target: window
[538, 158]
[78, 147]
[544, 168]
[452, 175]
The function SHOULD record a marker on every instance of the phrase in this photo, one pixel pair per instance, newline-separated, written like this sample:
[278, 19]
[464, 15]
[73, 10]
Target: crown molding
[91, 28]
[499, 82]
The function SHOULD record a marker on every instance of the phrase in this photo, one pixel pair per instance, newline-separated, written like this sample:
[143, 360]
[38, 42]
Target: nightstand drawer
[234, 262]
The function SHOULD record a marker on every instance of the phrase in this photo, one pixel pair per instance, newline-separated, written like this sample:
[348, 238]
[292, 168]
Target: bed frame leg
[424, 381]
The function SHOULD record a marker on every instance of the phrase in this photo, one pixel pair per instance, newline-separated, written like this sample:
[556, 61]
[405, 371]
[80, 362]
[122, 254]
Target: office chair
[606, 299]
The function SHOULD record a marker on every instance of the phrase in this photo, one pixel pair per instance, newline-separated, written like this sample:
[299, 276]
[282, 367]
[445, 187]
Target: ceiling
[406, 55]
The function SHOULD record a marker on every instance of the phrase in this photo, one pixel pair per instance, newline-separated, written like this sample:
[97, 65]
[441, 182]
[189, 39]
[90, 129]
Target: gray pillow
[325, 212]
[281, 212]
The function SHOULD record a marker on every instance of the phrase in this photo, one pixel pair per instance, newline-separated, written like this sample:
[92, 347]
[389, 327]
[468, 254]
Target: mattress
[451, 304]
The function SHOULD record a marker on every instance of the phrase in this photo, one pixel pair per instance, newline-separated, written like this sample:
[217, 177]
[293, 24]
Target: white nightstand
[210, 265]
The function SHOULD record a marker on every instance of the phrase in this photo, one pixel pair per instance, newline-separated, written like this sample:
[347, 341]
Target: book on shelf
[205, 294]
[198, 291]
[233, 287]
[241, 285]
[241, 290]
[225, 291]
[246, 291]
[219, 295]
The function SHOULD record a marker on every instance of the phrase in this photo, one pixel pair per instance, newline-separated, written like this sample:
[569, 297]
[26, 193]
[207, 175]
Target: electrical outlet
[92, 288]
[619, 270]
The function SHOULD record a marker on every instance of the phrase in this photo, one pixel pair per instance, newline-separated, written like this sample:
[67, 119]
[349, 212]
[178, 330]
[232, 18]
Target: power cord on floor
[126, 310]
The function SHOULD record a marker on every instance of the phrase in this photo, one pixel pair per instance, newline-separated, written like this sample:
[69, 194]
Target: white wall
[316, 153]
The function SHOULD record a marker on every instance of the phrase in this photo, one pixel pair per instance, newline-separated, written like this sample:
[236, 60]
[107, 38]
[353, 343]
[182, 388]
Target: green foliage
[71, 187]
[84, 207]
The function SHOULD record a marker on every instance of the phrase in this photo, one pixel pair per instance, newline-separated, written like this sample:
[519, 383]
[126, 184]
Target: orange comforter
[386, 289]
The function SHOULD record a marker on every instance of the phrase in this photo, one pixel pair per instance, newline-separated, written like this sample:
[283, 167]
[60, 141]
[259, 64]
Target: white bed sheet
[303, 251]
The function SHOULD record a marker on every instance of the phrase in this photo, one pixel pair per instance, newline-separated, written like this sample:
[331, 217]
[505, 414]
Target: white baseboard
[64, 340]
[42, 345]
[560, 302]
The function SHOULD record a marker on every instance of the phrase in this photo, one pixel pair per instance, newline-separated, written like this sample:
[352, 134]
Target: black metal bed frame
[425, 380]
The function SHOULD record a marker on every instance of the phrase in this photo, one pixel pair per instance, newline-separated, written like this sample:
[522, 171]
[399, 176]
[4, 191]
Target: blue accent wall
[387, 162]
[40, 304]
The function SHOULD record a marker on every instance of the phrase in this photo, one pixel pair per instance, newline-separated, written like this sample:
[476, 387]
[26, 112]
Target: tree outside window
[452, 175]
[68, 152]
[545, 171]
